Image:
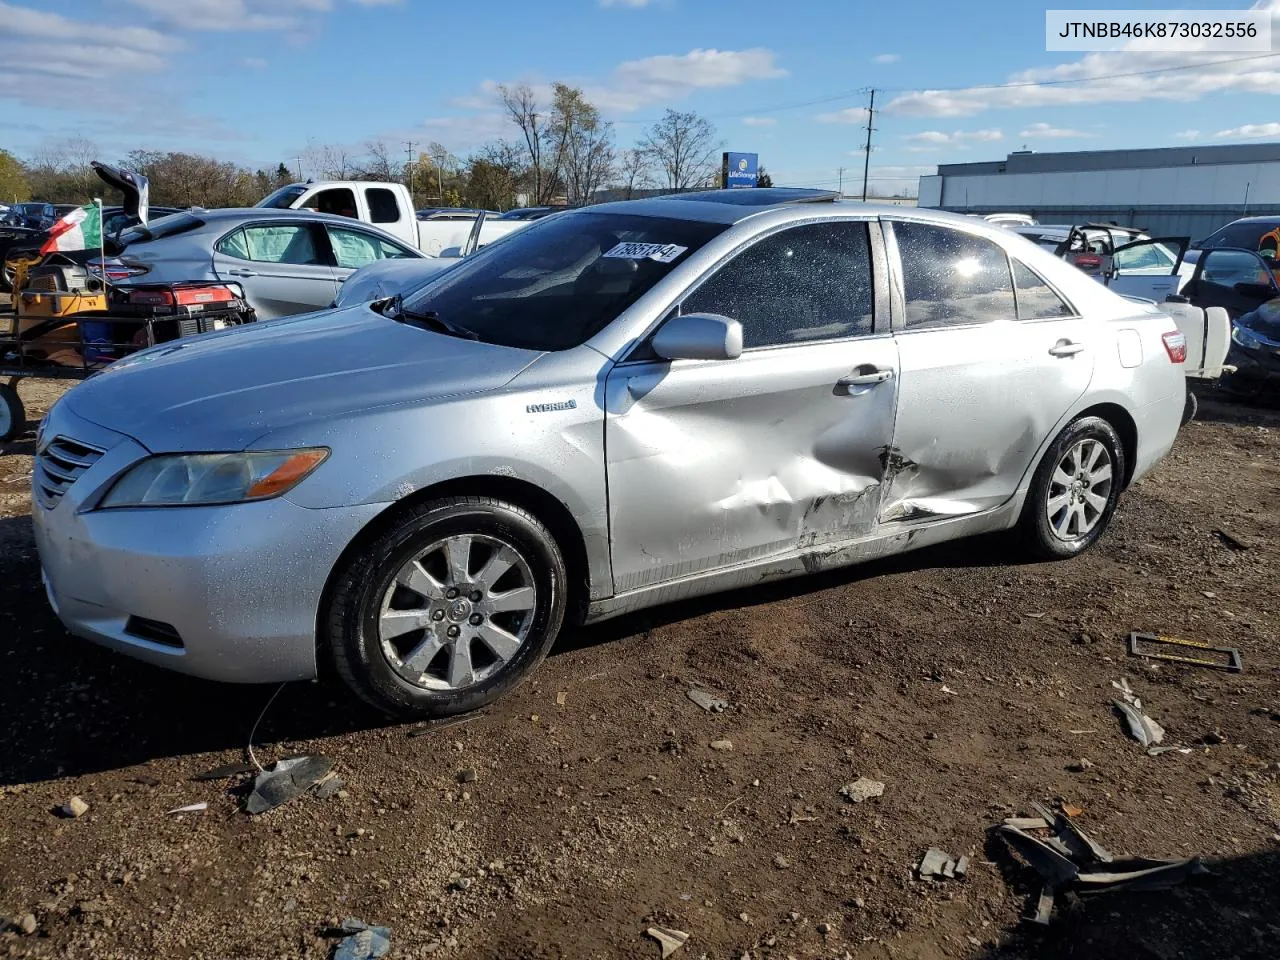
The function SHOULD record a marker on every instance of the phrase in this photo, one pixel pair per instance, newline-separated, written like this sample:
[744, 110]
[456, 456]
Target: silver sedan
[618, 407]
[286, 261]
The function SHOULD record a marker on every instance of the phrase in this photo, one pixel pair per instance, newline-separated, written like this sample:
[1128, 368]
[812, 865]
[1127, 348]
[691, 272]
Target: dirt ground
[969, 685]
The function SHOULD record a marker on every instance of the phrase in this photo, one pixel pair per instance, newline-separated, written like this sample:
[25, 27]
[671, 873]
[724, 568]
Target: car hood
[224, 390]
[386, 278]
[1264, 320]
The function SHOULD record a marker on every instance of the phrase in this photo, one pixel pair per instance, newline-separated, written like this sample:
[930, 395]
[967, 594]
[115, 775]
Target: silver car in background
[617, 407]
[286, 261]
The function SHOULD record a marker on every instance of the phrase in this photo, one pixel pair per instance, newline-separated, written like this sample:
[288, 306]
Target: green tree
[763, 179]
[13, 179]
[284, 176]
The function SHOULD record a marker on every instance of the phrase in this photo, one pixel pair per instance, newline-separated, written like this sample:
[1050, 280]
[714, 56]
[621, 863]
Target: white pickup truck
[390, 207]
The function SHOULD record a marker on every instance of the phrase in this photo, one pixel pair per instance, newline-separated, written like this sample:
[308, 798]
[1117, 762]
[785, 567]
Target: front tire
[1074, 491]
[447, 609]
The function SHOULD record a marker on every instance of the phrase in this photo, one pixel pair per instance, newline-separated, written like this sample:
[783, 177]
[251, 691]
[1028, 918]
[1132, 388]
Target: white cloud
[960, 139]
[759, 121]
[886, 58]
[848, 115]
[662, 79]
[1250, 131]
[1094, 81]
[237, 15]
[1187, 135]
[1046, 131]
[38, 25]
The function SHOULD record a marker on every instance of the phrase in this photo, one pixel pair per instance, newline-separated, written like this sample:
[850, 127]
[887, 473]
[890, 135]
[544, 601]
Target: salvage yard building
[1169, 191]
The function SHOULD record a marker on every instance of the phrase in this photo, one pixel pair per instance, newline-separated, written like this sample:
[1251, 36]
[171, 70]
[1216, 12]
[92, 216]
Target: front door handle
[1065, 348]
[238, 272]
[865, 379]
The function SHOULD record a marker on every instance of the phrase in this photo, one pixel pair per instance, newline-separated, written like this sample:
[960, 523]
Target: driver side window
[806, 283]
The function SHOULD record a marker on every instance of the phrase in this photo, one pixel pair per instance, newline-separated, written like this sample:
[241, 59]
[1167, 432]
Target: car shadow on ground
[70, 708]
[1230, 914]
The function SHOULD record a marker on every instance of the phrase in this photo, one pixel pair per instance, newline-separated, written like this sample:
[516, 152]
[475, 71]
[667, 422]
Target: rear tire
[1190, 408]
[13, 415]
[1074, 491]
[448, 609]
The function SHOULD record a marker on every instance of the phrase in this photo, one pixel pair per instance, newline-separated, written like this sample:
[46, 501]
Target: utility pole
[298, 161]
[866, 160]
[840, 175]
[408, 146]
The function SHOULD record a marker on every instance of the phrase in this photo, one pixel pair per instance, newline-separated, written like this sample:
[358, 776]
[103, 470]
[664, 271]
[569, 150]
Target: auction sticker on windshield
[662, 252]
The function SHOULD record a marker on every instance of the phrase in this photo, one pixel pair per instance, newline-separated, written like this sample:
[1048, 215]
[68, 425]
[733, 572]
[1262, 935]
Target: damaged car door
[713, 463]
[986, 374]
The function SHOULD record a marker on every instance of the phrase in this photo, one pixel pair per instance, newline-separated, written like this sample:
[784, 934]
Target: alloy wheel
[457, 612]
[1079, 490]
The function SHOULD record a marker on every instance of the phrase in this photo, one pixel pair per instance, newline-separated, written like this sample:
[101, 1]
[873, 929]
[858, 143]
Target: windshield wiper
[394, 308]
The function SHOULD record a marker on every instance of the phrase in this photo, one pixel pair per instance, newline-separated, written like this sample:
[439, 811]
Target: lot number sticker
[662, 252]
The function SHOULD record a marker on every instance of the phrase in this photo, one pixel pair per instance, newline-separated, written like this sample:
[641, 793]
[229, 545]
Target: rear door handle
[865, 379]
[237, 272]
[1065, 348]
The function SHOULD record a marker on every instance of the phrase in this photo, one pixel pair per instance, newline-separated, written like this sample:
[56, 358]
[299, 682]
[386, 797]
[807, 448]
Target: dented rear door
[717, 463]
[986, 374]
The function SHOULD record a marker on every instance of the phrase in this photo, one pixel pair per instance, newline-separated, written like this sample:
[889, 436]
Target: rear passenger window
[382, 205]
[1036, 300]
[811, 282]
[952, 278]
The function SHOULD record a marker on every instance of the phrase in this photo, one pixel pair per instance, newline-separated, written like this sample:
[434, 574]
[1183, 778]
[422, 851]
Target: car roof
[273, 213]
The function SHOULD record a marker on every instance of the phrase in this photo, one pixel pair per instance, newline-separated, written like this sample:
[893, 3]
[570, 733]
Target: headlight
[179, 480]
[1245, 337]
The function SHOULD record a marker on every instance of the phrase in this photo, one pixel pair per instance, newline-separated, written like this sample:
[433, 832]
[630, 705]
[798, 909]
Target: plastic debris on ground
[191, 808]
[1069, 861]
[1141, 727]
[285, 780]
[225, 772]
[364, 942]
[670, 940]
[708, 702]
[862, 789]
[938, 864]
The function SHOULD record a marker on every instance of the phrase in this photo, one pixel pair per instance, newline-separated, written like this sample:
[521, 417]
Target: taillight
[1088, 261]
[115, 270]
[1175, 344]
[182, 296]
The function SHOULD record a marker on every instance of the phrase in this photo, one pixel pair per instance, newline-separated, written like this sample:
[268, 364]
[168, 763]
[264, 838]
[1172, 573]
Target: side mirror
[699, 336]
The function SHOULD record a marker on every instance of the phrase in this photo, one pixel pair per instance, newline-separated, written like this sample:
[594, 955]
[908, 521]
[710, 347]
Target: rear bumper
[1256, 373]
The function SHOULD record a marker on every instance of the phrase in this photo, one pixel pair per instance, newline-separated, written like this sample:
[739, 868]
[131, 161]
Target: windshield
[283, 199]
[559, 281]
[1243, 235]
[163, 227]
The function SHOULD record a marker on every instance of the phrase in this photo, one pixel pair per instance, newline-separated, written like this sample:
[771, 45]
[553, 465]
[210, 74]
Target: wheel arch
[548, 508]
[1123, 423]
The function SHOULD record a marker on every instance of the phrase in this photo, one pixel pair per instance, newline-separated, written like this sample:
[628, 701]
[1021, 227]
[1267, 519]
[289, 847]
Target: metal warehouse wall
[1175, 200]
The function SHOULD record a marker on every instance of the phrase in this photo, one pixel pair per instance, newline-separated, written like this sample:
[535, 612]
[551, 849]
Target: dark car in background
[1248, 233]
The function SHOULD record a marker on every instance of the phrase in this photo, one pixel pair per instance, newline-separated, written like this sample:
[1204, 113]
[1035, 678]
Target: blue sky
[259, 81]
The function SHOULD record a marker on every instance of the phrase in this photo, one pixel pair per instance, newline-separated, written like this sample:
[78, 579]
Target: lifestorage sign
[739, 170]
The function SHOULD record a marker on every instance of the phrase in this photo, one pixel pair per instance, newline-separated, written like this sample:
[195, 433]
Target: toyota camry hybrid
[621, 406]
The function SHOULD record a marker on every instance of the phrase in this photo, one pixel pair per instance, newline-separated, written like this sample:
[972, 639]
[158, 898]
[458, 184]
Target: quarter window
[952, 278]
[1036, 299]
[811, 282]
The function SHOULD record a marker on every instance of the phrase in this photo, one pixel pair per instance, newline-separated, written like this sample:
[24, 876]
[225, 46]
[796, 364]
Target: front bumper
[240, 585]
[1257, 372]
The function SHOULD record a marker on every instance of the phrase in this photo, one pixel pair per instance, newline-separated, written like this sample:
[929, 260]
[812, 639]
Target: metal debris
[191, 808]
[1141, 727]
[669, 939]
[225, 771]
[938, 863]
[708, 703]
[1228, 658]
[285, 780]
[862, 789]
[364, 943]
[1069, 860]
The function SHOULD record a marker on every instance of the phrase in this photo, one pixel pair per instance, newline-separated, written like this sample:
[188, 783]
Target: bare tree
[682, 146]
[378, 164]
[635, 171]
[522, 106]
[328, 161]
[584, 153]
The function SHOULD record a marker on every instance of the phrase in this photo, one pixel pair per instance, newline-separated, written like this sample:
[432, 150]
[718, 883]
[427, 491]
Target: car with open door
[613, 408]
